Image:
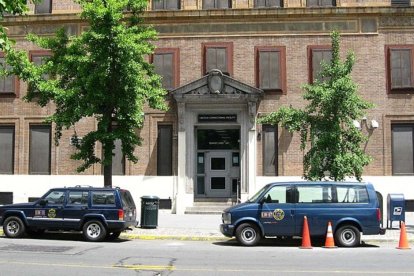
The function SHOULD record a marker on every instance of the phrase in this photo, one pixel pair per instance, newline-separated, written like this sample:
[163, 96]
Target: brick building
[208, 146]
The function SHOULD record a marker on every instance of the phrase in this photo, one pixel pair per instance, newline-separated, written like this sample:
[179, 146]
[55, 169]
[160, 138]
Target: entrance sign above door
[218, 139]
[209, 118]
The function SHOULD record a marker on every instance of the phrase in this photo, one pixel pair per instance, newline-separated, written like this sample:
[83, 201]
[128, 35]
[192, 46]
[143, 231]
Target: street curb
[217, 239]
[167, 237]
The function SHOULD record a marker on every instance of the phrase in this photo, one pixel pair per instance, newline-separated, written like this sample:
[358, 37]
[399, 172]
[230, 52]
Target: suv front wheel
[14, 227]
[94, 230]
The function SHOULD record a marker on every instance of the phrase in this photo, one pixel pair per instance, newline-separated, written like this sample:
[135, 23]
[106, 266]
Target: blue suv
[98, 212]
[278, 209]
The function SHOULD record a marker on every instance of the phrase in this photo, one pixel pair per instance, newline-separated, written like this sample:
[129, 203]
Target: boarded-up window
[44, 6]
[7, 83]
[118, 159]
[163, 63]
[269, 70]
[400, 68]
[400, 3]
[402, 149]
[39, 60]
[320, 3]
[6, 149]
[216, 4]
[165, 4]
[216, 58]
[400, 63]
[319, 56]
[164, 150]
[39, 151]
[269, 150]
[268, 3]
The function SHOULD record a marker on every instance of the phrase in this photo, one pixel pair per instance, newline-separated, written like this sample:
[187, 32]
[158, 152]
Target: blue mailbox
[395, 208]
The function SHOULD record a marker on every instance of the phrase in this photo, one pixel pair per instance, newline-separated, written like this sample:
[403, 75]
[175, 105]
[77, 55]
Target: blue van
[278, 209]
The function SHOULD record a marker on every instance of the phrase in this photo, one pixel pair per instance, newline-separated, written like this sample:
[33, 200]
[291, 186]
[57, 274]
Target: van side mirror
[266, 199]
[43, 202]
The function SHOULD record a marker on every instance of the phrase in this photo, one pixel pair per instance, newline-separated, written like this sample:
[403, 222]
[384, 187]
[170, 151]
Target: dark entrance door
[218, 162]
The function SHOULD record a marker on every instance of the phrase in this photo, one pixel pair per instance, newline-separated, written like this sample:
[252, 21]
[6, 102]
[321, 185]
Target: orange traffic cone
[403, 238]
[329, 242]
[306, 241]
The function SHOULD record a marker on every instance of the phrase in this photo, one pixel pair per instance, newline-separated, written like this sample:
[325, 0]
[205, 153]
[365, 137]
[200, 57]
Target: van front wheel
[248, 234]
[348, 236]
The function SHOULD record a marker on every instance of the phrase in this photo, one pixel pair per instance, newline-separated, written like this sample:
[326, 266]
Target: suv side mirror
[43, 202]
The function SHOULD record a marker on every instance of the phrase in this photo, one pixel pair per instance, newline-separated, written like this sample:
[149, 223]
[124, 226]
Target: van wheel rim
[348, 236]
[93, 230]
[248, 234]
[13, 227]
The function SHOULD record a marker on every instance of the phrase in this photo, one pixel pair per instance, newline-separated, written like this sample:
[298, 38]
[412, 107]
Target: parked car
[98, 212]
[278, 210]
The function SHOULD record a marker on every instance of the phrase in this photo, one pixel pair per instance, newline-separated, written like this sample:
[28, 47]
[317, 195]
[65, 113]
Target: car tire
[248, 234]
[347, 236]
[113, 236]
[13, 227]
[94, 230]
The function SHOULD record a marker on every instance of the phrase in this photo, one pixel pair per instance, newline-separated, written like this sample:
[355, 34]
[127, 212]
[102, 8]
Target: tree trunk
[108, 175]
[107, 151]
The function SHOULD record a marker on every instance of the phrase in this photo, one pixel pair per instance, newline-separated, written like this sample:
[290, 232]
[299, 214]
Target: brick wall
[368, 73]
[69, 6]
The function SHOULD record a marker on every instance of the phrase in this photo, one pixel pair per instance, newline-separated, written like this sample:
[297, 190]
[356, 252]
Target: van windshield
[258, 194]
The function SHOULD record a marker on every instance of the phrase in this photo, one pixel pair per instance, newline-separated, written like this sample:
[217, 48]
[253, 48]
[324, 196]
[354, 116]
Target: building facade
[224, 63]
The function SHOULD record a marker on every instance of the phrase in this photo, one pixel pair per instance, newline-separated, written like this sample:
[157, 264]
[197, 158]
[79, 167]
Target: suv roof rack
[83, 186]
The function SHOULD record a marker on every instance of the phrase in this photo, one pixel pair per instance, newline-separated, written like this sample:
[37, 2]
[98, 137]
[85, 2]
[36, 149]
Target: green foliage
[11, 7]
[327, 121]
[102, 73]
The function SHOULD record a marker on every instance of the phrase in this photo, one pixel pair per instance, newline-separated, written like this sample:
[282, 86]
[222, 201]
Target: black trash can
[149, 211]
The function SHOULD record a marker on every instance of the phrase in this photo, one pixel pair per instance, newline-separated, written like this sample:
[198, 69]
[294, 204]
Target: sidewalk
[181, 227]
[206, 227]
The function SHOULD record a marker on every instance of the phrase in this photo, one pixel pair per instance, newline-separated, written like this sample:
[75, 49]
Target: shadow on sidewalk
[286, 242]
[64, 236]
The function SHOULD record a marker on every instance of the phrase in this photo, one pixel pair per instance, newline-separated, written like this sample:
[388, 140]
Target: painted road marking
[215, 270]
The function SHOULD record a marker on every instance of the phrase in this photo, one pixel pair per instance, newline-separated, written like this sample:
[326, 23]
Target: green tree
[326, 123]
[11, 7]
[102, 73]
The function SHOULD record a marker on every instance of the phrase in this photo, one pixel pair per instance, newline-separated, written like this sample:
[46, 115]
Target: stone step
[209, 205]
[206, 209]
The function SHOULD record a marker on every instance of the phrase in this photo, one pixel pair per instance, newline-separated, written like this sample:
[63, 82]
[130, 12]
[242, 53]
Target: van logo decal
[51, 213]
[278, 214]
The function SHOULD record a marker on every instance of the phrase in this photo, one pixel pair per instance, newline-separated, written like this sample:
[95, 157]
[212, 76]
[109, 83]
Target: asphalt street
[57, 254]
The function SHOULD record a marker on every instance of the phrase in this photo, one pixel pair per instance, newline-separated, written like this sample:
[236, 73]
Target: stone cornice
[155, 17]
[232, 22]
